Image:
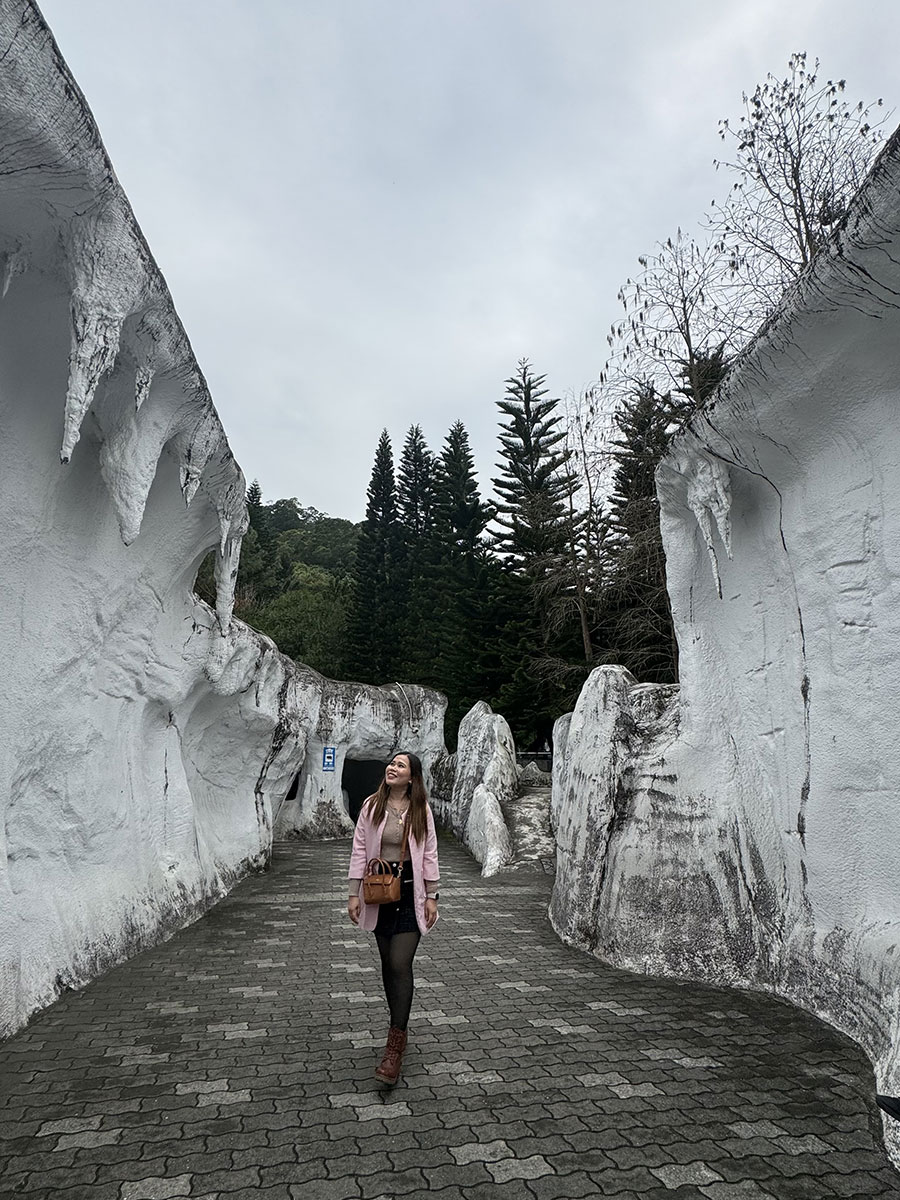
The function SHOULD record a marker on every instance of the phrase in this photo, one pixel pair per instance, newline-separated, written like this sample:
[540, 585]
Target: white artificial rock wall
[484, 783]
[746, 832]
[145, 741]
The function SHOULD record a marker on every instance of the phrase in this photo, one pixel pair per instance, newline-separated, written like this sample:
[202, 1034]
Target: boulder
[485, 782]
[531, 775]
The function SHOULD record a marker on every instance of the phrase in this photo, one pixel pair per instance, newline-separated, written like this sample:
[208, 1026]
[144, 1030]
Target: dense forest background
[515, 597]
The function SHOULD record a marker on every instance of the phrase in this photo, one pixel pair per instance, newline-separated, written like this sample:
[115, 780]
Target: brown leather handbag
[380, 885]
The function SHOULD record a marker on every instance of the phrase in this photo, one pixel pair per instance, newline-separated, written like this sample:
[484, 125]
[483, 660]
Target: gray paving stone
[331, 1189]
[746, 1190]
[556, 1187]
[262, 1156]
[397, 1183]
[124, 1171]
[359, 1165]
[157, 1189]
[284, 1173]
[503, 1170]
[481, 1151]
[651, 1156]
[494, 1191]
[675, 1175]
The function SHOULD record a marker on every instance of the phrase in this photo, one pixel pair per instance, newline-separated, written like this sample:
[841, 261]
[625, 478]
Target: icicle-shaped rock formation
[747, 831]
[145, 742]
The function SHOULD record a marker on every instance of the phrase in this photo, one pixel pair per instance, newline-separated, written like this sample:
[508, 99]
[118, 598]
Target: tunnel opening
[360, 779]
[293, 789]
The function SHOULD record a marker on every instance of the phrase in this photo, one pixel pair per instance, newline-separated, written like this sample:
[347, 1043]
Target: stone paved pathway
[528, 821]
[235, 1061]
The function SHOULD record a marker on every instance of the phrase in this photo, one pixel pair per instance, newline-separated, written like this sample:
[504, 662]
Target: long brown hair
[415, 790]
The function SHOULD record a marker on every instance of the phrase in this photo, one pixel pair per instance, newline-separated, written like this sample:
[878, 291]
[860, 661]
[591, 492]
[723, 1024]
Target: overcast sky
[368, 210]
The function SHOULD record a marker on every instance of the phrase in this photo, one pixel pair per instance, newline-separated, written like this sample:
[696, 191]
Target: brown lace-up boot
[389, 1070]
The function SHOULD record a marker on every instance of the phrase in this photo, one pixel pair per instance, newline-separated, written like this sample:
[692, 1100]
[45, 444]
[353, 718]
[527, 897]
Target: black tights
[397, 954]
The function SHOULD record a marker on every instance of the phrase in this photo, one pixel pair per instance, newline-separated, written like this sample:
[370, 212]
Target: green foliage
[307, 620]
[424, 573]
[328, 542]
[205, 583]
[533, 483]
[258, 575]
[294, 580]
[461, 513]
[415, 491]
[420, 592]
[461, 571]
[537, 527]
[375, 611]
[418, 589]
[637, 600]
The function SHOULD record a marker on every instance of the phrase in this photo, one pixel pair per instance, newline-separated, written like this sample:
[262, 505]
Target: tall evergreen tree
[258, 514]
[462, 597]
[257, 581]
[371, 648]
[418, 556]
[461, 510]
[254, 501]
[533, 482]
[415, 488]
[534, 521]
[641, 631]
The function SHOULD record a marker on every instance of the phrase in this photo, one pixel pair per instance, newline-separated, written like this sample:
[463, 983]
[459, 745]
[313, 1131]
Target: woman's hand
[430, 912]
[353, 909]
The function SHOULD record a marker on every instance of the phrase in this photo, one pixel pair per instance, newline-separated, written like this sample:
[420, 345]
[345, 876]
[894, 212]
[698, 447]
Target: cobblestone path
[236, 1061]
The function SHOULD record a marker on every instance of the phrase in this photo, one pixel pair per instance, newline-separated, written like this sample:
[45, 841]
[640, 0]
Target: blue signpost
[328, 754]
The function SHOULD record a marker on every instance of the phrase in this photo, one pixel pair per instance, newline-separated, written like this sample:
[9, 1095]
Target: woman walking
[396, 824]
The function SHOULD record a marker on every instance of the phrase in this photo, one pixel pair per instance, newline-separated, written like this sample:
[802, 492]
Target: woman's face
[397, 772]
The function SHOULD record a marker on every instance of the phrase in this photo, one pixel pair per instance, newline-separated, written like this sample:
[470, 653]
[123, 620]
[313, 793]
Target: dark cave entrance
[360, 778]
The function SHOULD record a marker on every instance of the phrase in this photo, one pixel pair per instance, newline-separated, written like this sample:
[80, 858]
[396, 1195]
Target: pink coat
[367, 844]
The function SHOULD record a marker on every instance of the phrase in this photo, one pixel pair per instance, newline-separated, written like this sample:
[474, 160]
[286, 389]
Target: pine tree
[700, 376]
[533, 482]
[254, 499]
[371, 652]
[257, 581]
[535, 525]
[415, 488]
[418, 553]
[463, 590]
[258, 514]
[460, 507]
[640, 619]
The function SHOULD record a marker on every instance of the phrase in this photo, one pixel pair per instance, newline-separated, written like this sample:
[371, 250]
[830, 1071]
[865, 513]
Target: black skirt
[399, 917]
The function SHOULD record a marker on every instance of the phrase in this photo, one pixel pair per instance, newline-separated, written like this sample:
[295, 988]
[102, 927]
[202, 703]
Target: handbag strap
[374, 863]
